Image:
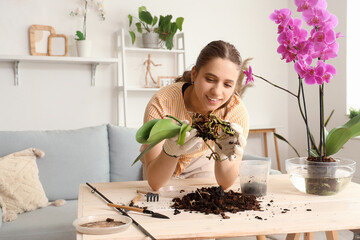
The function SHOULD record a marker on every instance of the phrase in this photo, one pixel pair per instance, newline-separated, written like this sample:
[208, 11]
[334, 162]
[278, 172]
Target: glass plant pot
[320, 178]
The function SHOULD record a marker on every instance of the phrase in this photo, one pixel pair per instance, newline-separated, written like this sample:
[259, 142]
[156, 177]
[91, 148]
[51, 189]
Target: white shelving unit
[178, 54]
[93, 62]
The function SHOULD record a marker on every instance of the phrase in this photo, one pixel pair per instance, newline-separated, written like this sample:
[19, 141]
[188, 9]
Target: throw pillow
[20, 187]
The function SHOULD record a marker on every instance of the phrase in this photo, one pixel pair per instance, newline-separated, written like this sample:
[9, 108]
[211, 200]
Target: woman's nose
[216, 89]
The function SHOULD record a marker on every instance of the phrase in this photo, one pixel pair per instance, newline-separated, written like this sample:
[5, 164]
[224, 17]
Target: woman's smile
[213, 100]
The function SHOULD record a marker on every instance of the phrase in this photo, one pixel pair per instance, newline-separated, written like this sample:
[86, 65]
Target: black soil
[215, 200]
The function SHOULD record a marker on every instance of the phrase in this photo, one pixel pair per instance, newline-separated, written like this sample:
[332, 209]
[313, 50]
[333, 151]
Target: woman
[212, 86]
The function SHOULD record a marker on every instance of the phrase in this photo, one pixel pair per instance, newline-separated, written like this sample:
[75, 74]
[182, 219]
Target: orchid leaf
[336, 138]
[283, 139]
[354, 126]
[163, 129]
[148, 148]
[328, 118]
[79, 35]
[182, 135]
[143, 133]
[313, 153]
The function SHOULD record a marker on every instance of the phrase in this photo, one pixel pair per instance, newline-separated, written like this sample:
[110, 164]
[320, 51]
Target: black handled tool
[153, 214]
[122, 212]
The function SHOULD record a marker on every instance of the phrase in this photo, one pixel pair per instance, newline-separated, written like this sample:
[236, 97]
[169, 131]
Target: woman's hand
[192, 144]
[231, 146]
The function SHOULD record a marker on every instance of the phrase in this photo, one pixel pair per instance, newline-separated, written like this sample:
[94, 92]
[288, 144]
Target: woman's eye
[228, 85]
[209, 79]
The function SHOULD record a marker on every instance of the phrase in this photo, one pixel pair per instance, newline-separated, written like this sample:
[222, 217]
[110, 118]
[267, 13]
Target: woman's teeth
[213, 99]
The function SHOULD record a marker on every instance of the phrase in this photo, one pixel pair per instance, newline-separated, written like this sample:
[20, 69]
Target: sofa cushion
[71, 157]
[123, 151]
[20, 187]
[50, 223]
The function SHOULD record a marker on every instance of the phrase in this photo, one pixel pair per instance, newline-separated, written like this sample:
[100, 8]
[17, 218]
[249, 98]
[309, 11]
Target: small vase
[320, 178]
[150, 40]
[83, 48]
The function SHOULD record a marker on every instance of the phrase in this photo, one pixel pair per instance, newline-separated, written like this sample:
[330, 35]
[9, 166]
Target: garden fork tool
[150, 197]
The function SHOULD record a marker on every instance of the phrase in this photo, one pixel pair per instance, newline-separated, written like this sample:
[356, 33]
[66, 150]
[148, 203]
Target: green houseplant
[321, 174]
[353, 112]
[163, 26]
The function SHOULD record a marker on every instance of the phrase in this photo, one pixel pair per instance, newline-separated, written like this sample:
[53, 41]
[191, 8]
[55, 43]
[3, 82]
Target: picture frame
[39, 39]
[166, 80]
[58, 45]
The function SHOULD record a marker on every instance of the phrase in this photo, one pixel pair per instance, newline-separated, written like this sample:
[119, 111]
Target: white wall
[59, 96]
[335, 96]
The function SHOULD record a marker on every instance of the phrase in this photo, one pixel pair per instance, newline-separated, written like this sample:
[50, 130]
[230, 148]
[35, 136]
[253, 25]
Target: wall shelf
[151, 50]
[139, 89]
[93, 62]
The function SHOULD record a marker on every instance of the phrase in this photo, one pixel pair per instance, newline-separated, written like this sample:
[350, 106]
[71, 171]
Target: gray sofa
[93, 154]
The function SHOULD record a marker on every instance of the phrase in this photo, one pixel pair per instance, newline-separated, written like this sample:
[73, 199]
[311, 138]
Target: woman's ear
[193, 75]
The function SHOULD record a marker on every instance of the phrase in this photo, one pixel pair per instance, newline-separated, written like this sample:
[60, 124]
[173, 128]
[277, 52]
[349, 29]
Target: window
[353, 53]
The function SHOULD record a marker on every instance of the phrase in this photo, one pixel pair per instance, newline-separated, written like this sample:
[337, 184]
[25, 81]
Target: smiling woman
[212, 86]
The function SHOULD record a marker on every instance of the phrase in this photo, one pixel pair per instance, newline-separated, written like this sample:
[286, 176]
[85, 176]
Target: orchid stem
[84, 23]
[275, 85]
[306, 118]
[322, 130]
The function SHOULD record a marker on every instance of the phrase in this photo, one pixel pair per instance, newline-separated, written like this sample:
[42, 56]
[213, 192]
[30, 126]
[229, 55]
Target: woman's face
[214, 84]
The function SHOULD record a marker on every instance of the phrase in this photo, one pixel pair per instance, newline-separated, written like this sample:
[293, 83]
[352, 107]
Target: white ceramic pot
[84, 48]
[150, 40]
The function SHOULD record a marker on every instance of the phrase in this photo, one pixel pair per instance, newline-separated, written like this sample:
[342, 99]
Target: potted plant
[318, 170]
[82, 43]
[353, 112]
[153, 34]
[146, 26]
[167, 29]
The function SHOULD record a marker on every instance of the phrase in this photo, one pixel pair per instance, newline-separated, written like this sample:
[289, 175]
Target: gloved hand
[231, 145]
[192, 143]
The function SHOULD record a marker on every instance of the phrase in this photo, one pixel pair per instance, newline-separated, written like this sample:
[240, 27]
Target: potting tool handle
[125, 207]
[124, 213]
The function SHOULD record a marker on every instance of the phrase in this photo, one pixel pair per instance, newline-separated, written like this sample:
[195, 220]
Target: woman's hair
[217, 49]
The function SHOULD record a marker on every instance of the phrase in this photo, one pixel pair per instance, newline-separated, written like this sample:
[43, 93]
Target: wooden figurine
[148, 63]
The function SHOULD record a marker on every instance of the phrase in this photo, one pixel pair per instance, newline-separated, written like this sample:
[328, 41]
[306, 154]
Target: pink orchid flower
[249, 76]
[281, 16]
[305, 4]
[316, 16]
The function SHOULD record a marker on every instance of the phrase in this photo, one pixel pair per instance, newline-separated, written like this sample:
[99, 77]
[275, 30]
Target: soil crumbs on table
[109, 222]
[215, 200]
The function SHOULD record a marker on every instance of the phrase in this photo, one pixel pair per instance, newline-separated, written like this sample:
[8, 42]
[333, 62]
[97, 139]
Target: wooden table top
[285, 210]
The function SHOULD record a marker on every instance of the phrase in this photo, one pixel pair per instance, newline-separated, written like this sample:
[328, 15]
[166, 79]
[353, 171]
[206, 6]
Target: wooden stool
[261, 237]
[265, 131]
[330, 235]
